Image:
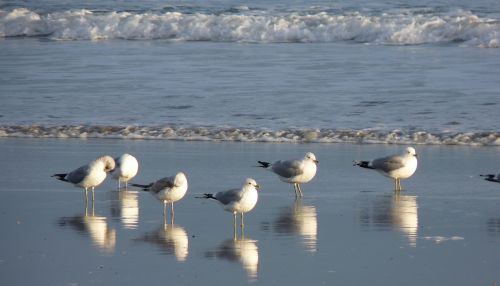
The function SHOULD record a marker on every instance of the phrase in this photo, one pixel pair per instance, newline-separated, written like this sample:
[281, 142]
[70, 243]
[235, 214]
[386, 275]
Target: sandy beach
[350, 228]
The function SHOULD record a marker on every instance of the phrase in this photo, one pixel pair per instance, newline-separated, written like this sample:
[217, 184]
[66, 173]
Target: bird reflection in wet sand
[241, 250]
[301, 220]
[96, 227]
[397, 211]
[172, 239]
[125, 207]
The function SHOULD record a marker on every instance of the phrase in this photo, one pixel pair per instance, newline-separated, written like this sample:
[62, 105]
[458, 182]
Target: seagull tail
[207, 196]
[263, 164]
[491, 177]
[61, 177]
[487, 175]
[363, 164]
[144, 187]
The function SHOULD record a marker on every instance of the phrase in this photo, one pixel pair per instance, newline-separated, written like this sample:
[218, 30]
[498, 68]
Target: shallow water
[350, 228]
[416, 72]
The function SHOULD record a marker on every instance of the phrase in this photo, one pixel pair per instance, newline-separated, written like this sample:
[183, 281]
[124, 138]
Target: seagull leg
[242, 227]
[92, 194]
[295, 189]
[93, 209]
[164, 212]
[234, 220]
[300, 191]
[234, 228]
[397, 183]
[86, 206]
[119, 186]
[86, 196]
[172, 211]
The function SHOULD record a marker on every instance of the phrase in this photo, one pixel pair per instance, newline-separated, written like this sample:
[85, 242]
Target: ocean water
[410, 72]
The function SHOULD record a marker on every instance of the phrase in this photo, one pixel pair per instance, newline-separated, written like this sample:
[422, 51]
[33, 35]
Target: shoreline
[230, 134]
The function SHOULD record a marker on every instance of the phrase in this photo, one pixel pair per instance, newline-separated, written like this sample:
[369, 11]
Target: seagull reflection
[242, 250]
[103, 237]
[301, 220]
[125, 206]
[172, 239]
[397, 211]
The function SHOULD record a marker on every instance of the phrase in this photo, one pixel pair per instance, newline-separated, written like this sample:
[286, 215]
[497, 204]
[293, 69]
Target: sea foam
[394, 28]
[364, 136]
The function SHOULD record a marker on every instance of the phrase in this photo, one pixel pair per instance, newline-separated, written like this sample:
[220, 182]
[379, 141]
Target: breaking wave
[387, 28]
[364, 136]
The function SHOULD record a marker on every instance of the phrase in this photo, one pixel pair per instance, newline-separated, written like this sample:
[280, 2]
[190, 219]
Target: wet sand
[349, 229]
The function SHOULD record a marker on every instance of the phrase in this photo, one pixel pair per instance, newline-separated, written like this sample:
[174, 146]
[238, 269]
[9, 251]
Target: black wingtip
[264, 164]
[144, 187]
[61, 177]
[362, 164]
[488, 175]
[491, 178]
[208, 196]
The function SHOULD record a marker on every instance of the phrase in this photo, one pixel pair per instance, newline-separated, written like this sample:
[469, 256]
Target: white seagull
[90, 175]
[491, 177]
[396, 167]
[240, 200]
[168, 190]
[295, 172]
[126, 168]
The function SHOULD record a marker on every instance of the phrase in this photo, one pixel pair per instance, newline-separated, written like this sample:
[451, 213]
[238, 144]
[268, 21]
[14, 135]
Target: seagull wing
[229, 196]
[161, 184]
[388, 164]
[288, 169]
[78, 175]
[118, 162]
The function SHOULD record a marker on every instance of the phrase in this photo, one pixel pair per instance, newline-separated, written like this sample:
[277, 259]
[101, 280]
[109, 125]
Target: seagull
[295, 172]
[397, 166]
[238, 200]
[491, 178]
[168, 190]
[126, 168]
[90, 175]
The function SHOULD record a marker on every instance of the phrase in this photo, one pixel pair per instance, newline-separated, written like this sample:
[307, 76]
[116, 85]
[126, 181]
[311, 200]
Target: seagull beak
[316, 161]
[416, 156]
[257, 187]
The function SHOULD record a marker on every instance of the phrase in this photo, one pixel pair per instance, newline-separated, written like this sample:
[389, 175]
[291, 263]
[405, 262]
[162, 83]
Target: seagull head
[252, 183]
[312, 157]
[109, 163]
[410, 151]
[180, 179]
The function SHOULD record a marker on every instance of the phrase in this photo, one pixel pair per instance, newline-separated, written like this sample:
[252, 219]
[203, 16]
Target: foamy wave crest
[402, 28]
[251, 135]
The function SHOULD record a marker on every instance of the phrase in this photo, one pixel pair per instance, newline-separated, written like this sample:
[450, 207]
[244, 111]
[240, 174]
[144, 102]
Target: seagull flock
[241, 200]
